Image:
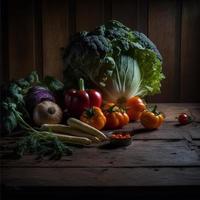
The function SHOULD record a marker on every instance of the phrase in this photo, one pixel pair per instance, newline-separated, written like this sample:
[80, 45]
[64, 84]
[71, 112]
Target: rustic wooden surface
[155, 162]
[34, 31]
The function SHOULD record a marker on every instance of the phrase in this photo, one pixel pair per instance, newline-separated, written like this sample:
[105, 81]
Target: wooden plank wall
[34, 32]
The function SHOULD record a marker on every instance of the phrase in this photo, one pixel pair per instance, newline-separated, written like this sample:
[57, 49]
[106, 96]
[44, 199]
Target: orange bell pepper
[135, 106]
[94, 117]
[115, 117]
[151, 119]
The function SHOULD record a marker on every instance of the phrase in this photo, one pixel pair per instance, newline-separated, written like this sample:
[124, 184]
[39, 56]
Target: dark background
[34, 31]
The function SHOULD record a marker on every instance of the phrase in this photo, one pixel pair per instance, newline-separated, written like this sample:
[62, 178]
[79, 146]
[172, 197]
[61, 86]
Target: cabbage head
[121, 63]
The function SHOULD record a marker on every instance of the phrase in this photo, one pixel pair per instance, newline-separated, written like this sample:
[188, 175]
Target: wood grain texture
[38, 37]
[162, 30]
[96, 177]
[1, 43]
[190, 51]
[89, 14]
[119, 8]
[142, 16]
[55, 36]
[172, 110]
[107, 10]
[72, 18]
[141, 153]
[21, 38]
[34, 31]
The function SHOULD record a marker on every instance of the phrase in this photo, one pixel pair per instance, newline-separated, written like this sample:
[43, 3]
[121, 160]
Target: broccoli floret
[84, 50]
[96, 45]
[145, 42]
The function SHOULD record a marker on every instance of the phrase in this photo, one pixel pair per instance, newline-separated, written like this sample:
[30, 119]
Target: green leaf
[53, 84]
[9, 122]
[23, 83]
[33, 78]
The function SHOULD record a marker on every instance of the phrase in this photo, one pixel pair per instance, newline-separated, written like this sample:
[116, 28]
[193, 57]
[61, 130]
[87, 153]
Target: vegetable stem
[90, 112]
[23, 123]
[154, 109]
[81, 84]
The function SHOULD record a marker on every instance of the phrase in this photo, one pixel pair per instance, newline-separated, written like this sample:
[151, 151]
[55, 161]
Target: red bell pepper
[76, 101]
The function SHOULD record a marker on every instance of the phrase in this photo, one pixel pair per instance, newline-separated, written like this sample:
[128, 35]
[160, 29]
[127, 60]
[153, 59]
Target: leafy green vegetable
[120, 62]
[32, 78]
[52, 84]
[14, 96]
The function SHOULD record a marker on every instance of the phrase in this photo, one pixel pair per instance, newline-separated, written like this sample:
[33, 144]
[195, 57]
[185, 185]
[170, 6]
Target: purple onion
[36, 95]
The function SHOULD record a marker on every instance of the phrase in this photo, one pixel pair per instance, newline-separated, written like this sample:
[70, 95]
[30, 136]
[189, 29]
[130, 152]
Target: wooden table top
[166, 158]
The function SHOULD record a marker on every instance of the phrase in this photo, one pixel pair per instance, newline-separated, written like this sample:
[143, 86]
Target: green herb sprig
[42, 146]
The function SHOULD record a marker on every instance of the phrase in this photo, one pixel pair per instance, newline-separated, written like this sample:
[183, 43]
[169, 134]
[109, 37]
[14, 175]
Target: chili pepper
[121, 136]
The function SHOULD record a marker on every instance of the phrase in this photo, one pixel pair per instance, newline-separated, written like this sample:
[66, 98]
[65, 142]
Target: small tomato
[184, 119]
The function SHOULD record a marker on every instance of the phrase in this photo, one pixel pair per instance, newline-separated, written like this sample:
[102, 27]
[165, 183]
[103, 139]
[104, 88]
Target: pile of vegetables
[13, 96]
[21, 102]
[23, 95]
[107, 73]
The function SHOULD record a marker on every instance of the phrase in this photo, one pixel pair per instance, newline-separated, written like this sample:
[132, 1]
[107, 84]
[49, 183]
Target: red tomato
[184, 118]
